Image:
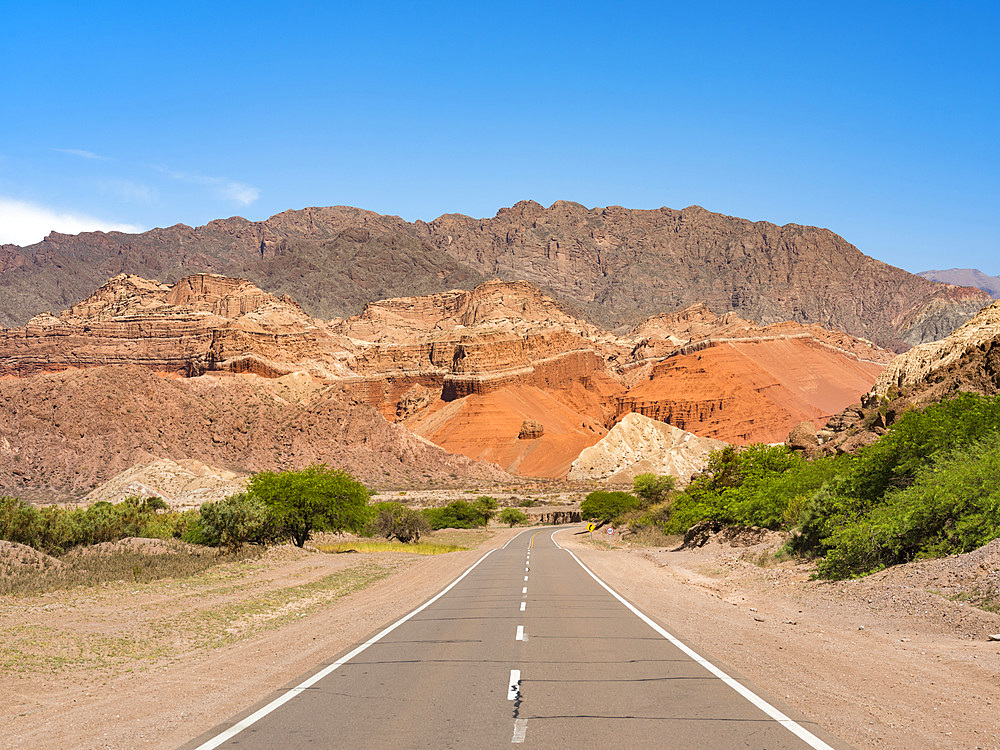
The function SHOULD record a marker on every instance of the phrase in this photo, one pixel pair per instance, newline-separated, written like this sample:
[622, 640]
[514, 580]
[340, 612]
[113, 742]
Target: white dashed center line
[513, 688]
[520, 728]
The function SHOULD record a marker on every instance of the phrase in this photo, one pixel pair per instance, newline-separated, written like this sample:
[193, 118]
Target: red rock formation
[466, 370]
[747, 391]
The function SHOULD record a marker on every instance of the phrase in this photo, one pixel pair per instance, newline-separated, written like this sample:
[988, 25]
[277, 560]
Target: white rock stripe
[520, 633]
[524, 590]
[792, 726]
[306, 684]
[513, 687]
[522, 606]
[526, 578]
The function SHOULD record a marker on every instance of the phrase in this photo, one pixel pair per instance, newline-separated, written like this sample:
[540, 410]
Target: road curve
[526, 648]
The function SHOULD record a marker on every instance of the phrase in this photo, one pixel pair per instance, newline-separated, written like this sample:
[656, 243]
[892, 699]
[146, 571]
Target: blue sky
[875, 119]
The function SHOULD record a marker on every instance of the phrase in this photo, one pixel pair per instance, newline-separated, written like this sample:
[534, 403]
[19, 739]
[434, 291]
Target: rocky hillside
[500, 373]
[612, 266]
[64, 433]
[966, 360]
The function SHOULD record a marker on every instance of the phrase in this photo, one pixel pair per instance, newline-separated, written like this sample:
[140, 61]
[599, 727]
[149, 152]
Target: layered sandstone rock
[182, 484]
[637, 445]
[203, 322]
[500, 373]
[745, 391]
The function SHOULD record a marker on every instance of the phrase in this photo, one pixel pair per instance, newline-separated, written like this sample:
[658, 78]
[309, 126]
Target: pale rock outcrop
[182, 484]
[918, 363]
[639, 444]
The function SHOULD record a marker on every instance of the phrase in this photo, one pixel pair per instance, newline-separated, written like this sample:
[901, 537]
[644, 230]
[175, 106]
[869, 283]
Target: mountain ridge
[613, 266]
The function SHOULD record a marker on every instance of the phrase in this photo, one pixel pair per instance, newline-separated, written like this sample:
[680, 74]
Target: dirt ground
[898, 660]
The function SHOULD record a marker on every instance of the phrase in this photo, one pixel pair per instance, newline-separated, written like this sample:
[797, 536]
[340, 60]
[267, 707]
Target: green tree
[314, 499]
[653, 488]
[512, 517]
[486, 507]
[607, 506]
[395, 520]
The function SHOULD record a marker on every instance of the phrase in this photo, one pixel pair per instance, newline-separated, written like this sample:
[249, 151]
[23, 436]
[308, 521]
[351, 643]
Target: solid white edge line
[304, 685]
[512, 687]
[794, 727]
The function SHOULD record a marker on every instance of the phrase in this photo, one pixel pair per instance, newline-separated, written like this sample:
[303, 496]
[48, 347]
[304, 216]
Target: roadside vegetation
[929, 487]
[277, 507]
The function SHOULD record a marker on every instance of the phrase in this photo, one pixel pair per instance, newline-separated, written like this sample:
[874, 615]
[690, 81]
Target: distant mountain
[966, 277]
[613, 266]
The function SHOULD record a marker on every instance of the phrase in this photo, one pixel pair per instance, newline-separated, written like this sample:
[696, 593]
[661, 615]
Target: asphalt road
[527, 648]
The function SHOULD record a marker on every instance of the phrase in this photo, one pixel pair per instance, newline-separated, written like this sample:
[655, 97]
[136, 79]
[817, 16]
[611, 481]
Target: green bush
[316, 498]
[512, 517]
[55, 529]
[19, 522]
[752, 487]
[607, 507]
[234, 522]
[460, 514]
[952, 506]
[395, 520]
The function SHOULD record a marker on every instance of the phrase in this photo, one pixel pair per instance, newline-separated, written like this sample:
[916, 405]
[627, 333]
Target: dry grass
[123, 565]
[167, 618]
[415, 548]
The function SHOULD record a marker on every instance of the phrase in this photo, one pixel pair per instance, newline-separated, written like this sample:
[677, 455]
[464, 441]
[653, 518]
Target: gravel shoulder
[895, 660]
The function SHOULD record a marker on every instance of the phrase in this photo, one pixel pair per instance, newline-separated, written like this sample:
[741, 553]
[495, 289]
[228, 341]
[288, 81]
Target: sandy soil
[882, 662]
[885, 662]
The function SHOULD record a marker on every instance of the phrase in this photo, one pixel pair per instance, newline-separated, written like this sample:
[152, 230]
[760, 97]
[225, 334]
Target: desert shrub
[233, 523]
[512, 517]
[895, 460]
[395, 520]
[653, 489]
[315, 498]
[607, 507]
[527, 502]
[55, 529]
[19, 521]
[486, 507]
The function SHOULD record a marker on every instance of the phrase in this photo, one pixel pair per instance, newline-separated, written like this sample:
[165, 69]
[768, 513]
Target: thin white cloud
[81, 153]
[24, 223]
[230, 190]
[128, 190]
